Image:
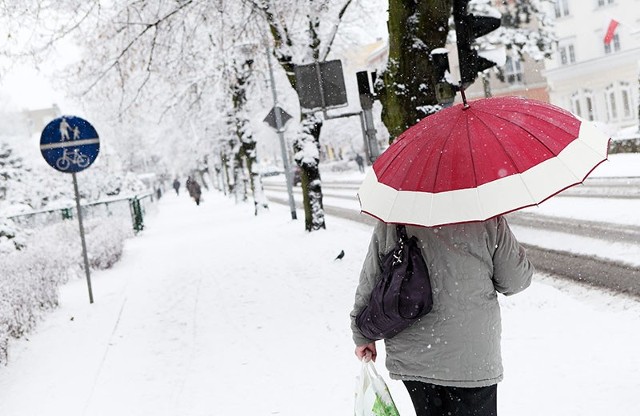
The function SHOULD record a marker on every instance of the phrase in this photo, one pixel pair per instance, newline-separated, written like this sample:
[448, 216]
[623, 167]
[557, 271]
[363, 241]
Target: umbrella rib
[539, 141]
[444, 143]
[500, 143]
[522, 128]
[473, 162]
[568, 169]
[508, 155]
[473, 168]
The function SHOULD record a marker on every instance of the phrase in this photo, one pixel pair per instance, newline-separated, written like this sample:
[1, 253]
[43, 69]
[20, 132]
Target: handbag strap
[401, 231]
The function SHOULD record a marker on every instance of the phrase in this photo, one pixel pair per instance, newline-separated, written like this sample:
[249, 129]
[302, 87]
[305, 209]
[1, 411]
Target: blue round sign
[69, 144]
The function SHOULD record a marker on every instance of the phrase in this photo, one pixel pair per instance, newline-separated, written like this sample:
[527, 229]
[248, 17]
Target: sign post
[279, 126]
[70, 144]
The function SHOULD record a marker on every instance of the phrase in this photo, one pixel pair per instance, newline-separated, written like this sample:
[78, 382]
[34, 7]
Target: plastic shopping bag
[372, 394]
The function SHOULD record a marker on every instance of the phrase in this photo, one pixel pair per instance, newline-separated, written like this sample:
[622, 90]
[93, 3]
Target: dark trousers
[433, 400]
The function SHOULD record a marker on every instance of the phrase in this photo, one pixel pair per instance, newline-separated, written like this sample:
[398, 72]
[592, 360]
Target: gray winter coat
[458, 343]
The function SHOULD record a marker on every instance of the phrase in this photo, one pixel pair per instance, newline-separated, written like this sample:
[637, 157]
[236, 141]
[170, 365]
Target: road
[339, 200]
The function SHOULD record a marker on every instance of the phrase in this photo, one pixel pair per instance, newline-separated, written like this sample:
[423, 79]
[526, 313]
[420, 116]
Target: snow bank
[30, 278]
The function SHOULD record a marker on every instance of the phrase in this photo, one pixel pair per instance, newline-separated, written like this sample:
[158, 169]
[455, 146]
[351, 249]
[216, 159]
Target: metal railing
[136, 206]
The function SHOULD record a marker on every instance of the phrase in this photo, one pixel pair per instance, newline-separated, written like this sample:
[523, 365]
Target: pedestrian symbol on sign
[69, 144]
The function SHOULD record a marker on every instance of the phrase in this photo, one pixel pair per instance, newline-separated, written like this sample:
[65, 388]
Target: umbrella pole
[464, 97]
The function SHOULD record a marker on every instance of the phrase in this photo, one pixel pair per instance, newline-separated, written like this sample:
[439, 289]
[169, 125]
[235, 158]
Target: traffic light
[364, 89]
[468, 28]
[445, 91]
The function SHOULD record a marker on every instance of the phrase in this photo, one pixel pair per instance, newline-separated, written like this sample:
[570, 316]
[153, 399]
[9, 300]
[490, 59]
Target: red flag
[608, 37]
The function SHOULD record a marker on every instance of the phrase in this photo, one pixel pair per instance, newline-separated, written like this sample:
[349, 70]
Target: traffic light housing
[364, 89]
[468, 28]
[445, 91]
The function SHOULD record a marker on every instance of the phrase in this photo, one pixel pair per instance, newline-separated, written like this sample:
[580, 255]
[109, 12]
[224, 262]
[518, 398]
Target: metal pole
[365, 138]
[84, 244]
[486, 85]
[283, 147]
[372, 140]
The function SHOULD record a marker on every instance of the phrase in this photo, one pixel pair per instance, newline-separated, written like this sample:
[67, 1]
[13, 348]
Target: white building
[593, 75]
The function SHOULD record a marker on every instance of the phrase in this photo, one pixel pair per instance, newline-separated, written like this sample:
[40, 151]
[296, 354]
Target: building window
[626, 100]
[619, 100]
[513, 70]
[612, 103]
[616, 42]
[575, 105]
[562, 8]
[613, 46]
[589, 101]
[582, 104]
[610, 99]
[626, 104]
[567, 54]
[572, 53]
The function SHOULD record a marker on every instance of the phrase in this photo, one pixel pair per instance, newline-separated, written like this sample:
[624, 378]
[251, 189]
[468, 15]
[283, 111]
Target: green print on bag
[372, 394]
[380, 408]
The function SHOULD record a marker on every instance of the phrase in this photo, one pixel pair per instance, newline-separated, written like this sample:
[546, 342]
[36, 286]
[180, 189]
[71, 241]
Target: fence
[136, 206]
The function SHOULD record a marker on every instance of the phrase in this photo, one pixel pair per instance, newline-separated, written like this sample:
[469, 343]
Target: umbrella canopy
[477, 161]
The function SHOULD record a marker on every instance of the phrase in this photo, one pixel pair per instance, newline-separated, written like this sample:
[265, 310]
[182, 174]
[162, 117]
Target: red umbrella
[474, 162]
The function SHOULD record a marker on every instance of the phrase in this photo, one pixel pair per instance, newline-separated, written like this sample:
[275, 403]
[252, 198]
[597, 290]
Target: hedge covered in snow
[30, 278]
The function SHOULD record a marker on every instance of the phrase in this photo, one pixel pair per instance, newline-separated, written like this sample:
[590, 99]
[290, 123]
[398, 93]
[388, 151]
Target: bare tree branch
[334, 31]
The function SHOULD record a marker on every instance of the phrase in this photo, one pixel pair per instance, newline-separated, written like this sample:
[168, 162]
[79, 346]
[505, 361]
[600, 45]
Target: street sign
[69, 144]
[320, 85]
[270, 119]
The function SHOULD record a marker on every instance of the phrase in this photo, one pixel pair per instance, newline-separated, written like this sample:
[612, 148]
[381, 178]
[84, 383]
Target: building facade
[595, 70]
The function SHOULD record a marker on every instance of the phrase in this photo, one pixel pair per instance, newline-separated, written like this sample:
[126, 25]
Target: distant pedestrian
[176, 186]
[194, 189]
[360, 162]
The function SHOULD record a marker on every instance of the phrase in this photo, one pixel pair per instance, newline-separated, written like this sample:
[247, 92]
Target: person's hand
[366, 352]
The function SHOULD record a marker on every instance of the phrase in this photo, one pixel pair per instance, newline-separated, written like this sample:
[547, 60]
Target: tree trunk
[307, 156]
[408, 93]
[248, 150]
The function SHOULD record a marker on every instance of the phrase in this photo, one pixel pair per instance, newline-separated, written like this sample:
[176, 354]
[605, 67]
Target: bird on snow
[340, 255]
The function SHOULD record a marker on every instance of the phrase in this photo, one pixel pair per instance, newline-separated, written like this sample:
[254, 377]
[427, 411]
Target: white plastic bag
[372, 394]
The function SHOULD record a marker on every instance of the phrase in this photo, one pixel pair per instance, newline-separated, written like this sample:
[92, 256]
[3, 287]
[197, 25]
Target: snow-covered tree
[141, 60]
[247, 144]
[407, 87]
[526, 29]
[303, 32]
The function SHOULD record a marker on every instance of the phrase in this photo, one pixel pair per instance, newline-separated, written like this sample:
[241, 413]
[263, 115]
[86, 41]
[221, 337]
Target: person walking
[360, 162]
[450, 359]
[194, 189]
[176, 186]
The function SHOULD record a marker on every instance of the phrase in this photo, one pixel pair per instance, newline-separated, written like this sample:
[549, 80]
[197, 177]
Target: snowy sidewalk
[213, 311]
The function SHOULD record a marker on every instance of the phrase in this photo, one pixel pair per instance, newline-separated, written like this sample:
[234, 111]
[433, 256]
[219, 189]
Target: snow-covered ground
[214, 311]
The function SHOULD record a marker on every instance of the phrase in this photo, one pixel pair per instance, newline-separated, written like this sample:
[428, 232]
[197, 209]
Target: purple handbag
[401, 295]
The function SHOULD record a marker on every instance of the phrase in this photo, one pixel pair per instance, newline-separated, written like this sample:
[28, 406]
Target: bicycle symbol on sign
[69, 158]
